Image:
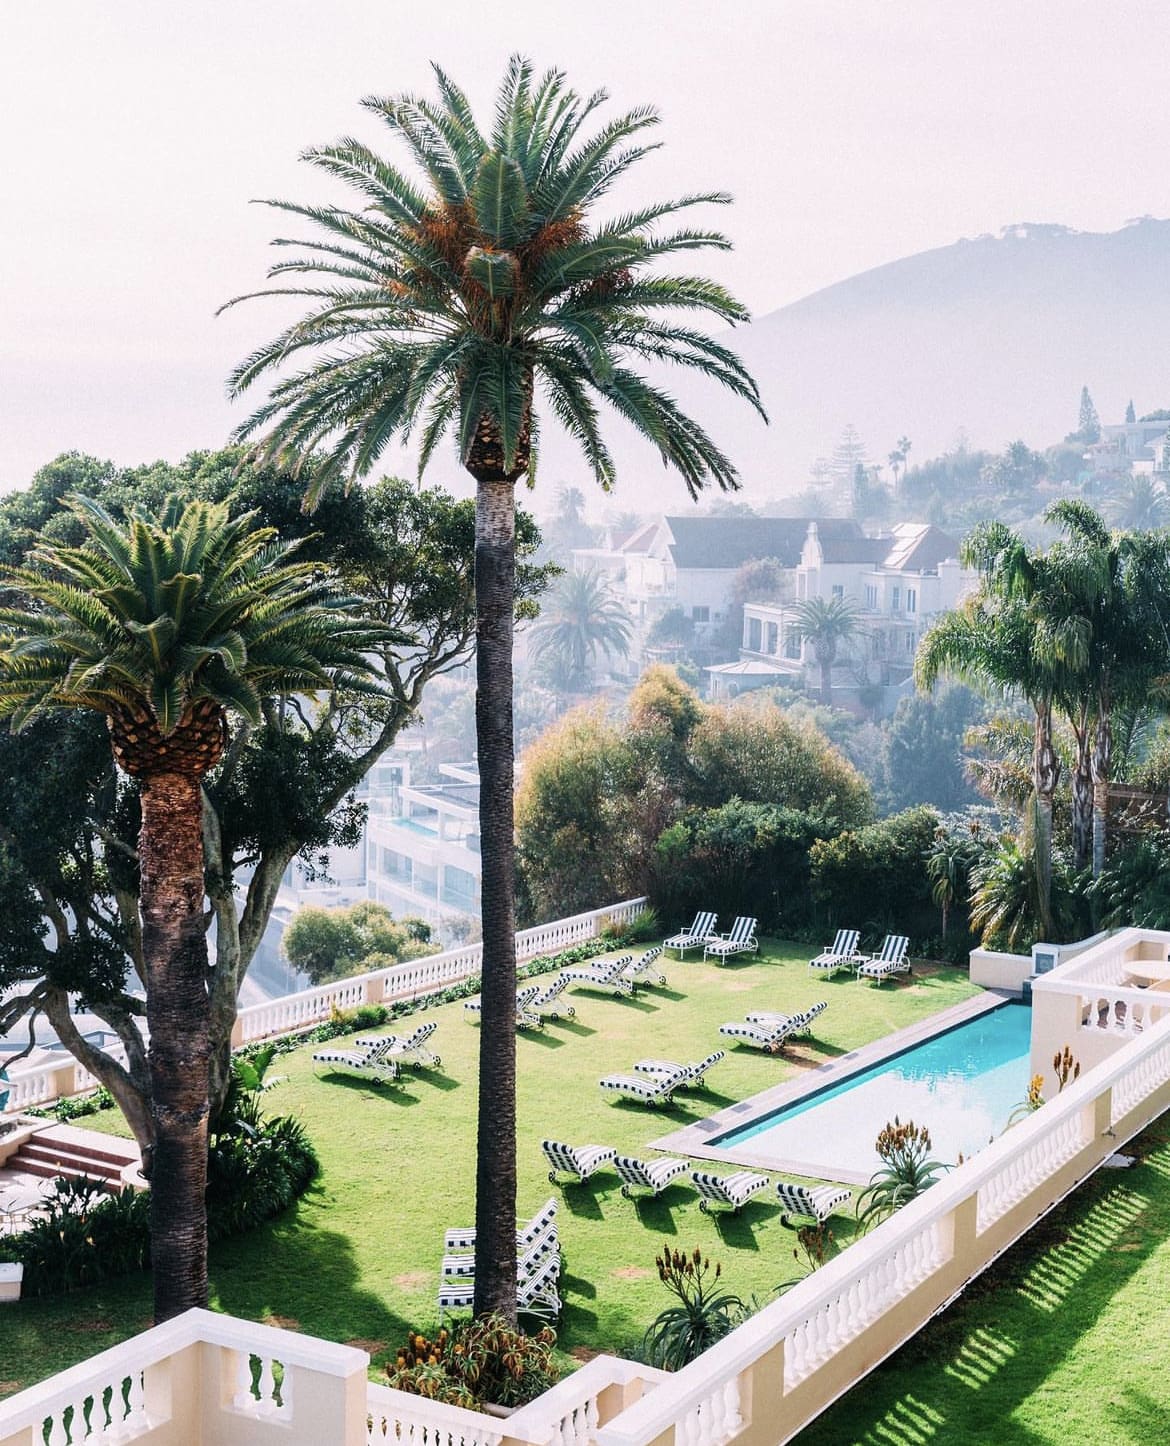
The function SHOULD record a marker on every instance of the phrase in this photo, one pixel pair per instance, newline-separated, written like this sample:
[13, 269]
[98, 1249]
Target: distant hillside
[995, 336]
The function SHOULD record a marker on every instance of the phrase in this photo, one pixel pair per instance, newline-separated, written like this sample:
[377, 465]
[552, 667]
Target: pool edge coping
[694, 1139]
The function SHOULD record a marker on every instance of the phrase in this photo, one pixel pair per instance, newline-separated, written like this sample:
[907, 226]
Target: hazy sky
[851, 132]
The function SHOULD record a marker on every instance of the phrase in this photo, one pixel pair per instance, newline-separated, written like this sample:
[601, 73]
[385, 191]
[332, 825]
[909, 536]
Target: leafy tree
[924, 750]
[283, 790]
[879, 868]
[163, 626]
[331, 943]
[826, 623]
[582, 620]
[674, 628]
[1129, 412]
[452, 296]
[1138, 504]
[1006, 906]
[1014, 472]
[1088, 423]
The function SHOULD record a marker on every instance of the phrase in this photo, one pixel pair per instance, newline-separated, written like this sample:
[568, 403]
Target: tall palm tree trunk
[1082, 793]
[178, 1013]
[495, 1180]
[1045, 776]
[1102, 769]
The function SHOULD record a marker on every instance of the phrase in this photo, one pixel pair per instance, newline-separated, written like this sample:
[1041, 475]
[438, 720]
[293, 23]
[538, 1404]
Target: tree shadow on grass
[295, 1273]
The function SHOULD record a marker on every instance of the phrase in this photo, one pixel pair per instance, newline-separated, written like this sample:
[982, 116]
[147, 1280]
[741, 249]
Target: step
[89, 1142]
[46, 1161]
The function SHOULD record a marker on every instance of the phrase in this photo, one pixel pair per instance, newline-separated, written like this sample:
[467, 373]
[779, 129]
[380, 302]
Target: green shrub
[702, 1316]
[84, 1236]
[884, 865]
[476, 1361]
[252, 1178]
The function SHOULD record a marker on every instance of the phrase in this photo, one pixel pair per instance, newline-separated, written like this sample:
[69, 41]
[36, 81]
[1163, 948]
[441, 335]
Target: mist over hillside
[994, 336]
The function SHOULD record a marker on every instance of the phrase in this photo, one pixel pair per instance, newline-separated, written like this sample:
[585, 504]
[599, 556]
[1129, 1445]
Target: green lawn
[1073, 1324]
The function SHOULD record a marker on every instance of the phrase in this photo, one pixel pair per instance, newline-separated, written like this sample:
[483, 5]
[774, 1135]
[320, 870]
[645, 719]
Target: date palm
[582, 619]
[166, 625]
[470, 298]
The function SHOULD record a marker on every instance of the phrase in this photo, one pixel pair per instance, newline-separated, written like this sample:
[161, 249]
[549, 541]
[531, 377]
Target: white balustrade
[260, 1390]
[26, 1087]
[404, 1420]
[1145, 1075]
[1028, 1168]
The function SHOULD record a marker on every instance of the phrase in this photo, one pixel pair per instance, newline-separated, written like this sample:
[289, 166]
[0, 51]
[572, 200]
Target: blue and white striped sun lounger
[536, 1289]
[652, 1175]
[891, 960]
[817, 1203]
[693, 1075]
[526, 1016]
[839, 955]
[741, 939]
[646, 1089]
[371, 1060]
[798, 1024]
[768, 1037]
[545, 1217]
[411, 1049]
[693, 938]
[729, 1190]
[608, 975]
[644, 969]
[547, 1002]
[580, 1161]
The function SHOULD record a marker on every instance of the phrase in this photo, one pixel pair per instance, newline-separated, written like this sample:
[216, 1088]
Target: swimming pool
[961, 1084]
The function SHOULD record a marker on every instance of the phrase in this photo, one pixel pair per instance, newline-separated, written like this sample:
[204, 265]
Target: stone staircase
[65, 1150]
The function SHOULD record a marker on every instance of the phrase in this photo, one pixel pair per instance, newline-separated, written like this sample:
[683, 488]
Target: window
[792, 645]
[700, 615]
[911, 599]
[909, 642]
[838, 589]
[753, 635]
[871, 597]
[773, 636]
[895, 599]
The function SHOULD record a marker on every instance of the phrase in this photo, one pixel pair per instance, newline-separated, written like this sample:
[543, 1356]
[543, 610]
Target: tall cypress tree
[1089, 429]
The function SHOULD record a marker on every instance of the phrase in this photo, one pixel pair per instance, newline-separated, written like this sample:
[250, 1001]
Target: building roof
[726, 543]
[748, 668]
[853, 549]
[919, 547]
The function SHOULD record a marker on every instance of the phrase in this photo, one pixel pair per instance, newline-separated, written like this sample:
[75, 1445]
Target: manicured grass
[358, 1259]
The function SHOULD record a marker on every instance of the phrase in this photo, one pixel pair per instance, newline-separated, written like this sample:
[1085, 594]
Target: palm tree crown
[442, 305]
[584, 620]
[165, 618]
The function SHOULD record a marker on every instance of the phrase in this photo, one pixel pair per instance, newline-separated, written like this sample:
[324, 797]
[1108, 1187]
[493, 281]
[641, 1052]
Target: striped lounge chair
[607, 975]
[646, 1089]
[768, 1037]
[579, 1161]
[537, 1290]
[411, 1049]
[740, 939]
[370, 1060]
[526, 1016]
[816, 1204]
[839, 955]
[798, 1024]
[694, 937]
[728, 1190]
[890, 960]
[644, 970]
[651, 1175]
[693, 1075]
[531, 1230]
[547, 1002]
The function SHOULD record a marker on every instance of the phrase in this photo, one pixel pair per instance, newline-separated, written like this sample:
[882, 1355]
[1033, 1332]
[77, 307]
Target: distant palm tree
[165, 625]
[459, 302]
[826, 624]
[581, 619]
[1139, 504]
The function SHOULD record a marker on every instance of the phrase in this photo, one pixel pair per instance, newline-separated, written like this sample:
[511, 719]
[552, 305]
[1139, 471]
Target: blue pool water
[962, 1085]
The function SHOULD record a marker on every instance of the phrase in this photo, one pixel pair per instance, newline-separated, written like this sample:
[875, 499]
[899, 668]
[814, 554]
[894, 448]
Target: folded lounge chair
[536, 1290]
[411, 1049]
[607, 975]
[891, 960]
[531, 1230]
[647, 1089]
[694, 937]
[370, 1060]
[644, 969]
[798, 1024]
[652, 1175]
[580, 1161]
[839, 955]
[741, 939]
[729, 1190]
[693, 1075]
[461, 1265]
[818, 1203]
[768, 1037]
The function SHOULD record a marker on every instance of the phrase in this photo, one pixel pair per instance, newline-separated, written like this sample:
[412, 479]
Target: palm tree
[1139, 504]
[164, 625]
[469, 300]
[826, 625]
[584, 619]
